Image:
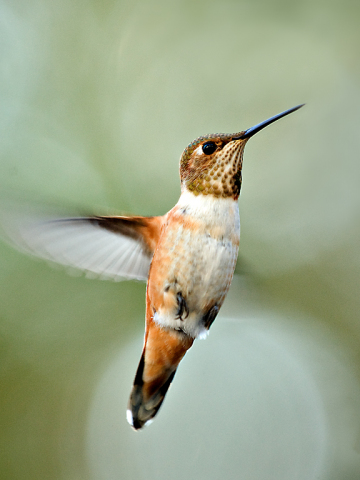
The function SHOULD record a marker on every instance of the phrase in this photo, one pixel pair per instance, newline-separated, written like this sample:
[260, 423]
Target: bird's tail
[162, 353]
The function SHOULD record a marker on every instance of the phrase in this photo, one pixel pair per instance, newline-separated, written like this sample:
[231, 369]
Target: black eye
[209, 147]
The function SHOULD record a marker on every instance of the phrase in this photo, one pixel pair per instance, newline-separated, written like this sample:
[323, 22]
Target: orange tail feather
[162, 353]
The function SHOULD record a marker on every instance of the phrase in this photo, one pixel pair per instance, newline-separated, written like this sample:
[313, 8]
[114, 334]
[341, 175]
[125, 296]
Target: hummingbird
[187, 257]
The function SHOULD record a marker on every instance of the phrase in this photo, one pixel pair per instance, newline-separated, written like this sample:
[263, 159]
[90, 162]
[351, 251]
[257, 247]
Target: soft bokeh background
[98, 100]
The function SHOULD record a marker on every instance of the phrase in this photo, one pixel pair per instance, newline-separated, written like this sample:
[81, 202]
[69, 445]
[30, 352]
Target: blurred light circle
[244, 405]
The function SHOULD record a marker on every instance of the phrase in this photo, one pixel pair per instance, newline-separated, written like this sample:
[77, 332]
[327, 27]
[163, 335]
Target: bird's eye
[209, 147]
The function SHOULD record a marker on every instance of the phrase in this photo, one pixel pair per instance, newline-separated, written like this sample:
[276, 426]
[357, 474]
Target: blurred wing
[103, 247]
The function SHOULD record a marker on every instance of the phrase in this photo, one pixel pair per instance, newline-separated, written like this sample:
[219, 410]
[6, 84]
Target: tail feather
[156, 370]
[142, 408]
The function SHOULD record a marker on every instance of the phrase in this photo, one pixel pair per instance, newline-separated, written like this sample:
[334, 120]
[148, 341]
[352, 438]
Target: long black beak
[251, 131]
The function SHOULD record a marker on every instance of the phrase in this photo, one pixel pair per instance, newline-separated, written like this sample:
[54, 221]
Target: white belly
[202, 260]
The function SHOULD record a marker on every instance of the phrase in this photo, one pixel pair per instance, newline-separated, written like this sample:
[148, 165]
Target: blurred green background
[98, 100]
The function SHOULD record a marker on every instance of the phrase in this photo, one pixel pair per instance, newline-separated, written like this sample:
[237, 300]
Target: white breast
[214, 212]
[203, 259]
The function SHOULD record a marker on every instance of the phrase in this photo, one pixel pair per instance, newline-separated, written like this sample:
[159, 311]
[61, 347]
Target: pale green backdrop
[98, 100]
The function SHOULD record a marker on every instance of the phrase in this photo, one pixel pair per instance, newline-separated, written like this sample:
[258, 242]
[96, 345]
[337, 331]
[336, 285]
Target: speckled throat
[218, 174]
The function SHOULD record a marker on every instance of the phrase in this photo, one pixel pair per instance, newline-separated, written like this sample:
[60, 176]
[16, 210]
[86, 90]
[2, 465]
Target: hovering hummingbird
[187, 256]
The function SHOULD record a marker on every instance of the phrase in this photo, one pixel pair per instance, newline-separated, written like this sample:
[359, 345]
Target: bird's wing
[104, 247]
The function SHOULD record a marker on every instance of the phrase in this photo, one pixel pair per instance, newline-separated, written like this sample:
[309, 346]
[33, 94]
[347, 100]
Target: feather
[103, 247]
